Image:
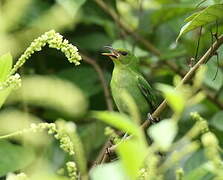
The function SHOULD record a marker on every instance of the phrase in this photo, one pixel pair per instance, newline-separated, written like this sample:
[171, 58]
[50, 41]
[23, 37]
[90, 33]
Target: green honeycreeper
[127, 78]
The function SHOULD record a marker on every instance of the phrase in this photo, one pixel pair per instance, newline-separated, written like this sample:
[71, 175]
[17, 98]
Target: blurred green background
[90, 25]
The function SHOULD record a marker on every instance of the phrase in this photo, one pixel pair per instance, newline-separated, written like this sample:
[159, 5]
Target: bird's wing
[147, 92]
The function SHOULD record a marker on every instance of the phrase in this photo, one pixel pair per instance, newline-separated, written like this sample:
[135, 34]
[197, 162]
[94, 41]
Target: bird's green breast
[125, 79]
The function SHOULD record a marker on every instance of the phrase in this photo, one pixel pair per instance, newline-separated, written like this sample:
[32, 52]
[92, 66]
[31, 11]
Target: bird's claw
[152, 119]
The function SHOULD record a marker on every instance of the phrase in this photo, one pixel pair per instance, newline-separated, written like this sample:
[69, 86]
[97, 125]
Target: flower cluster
[211, 144]
[20, 176]
[63, 138]
[55, 40]
[13, 81]
[200, 127]
[65, 141]
[72, 170]
[201, 121]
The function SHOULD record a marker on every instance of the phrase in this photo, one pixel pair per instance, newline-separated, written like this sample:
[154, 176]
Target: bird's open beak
[113, 54]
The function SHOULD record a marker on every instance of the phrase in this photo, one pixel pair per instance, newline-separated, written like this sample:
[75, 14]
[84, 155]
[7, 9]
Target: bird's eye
[124, 53]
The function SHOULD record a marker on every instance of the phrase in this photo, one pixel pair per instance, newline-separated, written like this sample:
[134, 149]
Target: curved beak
[112, 54]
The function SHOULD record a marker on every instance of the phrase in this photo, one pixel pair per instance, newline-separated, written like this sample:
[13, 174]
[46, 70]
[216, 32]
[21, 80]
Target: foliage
[55, 117]
[209, 14]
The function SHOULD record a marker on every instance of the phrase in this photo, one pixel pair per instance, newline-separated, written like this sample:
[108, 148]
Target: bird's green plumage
[127, 78]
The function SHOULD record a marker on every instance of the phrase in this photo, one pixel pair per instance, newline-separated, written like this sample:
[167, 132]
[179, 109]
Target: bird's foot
[125, 136]
[152, 119]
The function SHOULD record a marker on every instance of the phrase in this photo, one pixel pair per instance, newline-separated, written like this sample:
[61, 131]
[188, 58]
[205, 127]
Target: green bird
[127, 78]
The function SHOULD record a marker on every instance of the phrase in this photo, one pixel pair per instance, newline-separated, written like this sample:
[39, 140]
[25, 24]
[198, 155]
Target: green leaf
[210, 75]
[94, 15]
[194, 161]
[196, 167]
[198, 173]
[71, 6]
[5, 66]
[169, 127]
[174, 97]
[117, 120]
[132, 153]
[191, 17]
[208, 15]
[92, 136]
[173, 53]
[53, 93]
[14, 157]
[14, 120]
[80, 76]
[171, 11]
[109, 171]
[4, 94]
[216, 120]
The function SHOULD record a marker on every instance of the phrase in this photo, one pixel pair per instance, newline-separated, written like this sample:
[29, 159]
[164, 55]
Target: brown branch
[98, 69]
[103, 155]
[210, 52]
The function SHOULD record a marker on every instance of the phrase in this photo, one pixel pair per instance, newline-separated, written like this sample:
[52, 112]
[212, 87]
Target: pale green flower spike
[72, 170]
[202, 123]
[211, 150]
[20, 176]
[64, 140]
[14, 81]
[54, 40]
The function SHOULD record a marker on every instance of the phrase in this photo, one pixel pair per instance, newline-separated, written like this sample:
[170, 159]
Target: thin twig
[102, 154]
[216, 73]
[198, 44]
[98, 69]
[210, 52]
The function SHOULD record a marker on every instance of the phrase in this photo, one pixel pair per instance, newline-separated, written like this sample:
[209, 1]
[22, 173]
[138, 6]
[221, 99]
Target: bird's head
[121, 56]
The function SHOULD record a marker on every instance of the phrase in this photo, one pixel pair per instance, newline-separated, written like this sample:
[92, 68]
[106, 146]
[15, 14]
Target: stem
[98, 69]
[11, 135]
[210, 52]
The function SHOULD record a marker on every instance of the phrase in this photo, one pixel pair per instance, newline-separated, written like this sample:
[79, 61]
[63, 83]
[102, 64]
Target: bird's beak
[113, 54]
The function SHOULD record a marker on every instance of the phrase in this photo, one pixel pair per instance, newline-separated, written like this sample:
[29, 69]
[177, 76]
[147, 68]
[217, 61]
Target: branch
[210, 52]
[98, 69]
